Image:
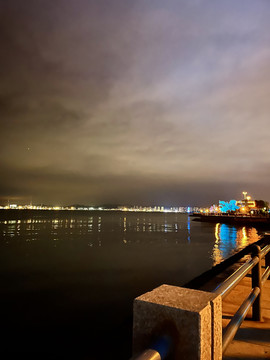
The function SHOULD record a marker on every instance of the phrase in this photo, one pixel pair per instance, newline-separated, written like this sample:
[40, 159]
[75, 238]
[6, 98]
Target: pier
[223, 314]
[242, 220]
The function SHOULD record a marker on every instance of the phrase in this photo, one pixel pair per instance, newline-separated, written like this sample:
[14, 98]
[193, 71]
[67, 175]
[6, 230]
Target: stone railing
[173, 322]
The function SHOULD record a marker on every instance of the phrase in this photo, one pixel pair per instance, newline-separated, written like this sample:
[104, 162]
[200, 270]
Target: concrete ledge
[192, 317]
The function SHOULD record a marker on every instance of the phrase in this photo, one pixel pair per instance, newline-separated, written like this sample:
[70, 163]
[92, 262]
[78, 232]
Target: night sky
[134, 101]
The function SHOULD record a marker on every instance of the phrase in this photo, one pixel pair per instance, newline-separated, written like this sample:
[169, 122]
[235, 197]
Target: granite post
[192, 318]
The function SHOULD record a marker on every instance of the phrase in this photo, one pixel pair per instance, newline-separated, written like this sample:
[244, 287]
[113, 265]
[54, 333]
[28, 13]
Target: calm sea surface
[68, 279]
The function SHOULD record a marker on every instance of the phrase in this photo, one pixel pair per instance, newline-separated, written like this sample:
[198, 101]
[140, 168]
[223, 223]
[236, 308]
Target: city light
[158, 209]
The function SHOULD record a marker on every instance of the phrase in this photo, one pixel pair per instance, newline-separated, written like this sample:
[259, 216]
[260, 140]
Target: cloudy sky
[134, 101]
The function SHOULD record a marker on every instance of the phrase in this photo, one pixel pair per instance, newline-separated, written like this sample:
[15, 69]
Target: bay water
[69, 278]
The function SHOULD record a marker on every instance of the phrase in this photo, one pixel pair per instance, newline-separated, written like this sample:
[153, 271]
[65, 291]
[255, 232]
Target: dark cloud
[123, 101]
[141, 190]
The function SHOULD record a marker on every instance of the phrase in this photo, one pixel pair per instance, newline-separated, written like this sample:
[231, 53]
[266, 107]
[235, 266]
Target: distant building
[13, 206]
[247, 205]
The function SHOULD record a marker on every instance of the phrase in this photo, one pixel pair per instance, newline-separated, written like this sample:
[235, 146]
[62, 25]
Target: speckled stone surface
[184, 313]
[216, 305]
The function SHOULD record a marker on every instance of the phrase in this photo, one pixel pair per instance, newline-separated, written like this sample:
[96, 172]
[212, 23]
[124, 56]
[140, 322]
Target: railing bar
[158, 350]
[148, 354]
[238, 318]
[265, 250]
[265, 275]
[228, 285]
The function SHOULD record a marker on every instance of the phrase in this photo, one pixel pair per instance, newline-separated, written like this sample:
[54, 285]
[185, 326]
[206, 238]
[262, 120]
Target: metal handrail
[254, 264]
[266, 274]
[265, 251]
[158, 351]
[149, 354]
[164, 345]
[229, 284]
[238, 318]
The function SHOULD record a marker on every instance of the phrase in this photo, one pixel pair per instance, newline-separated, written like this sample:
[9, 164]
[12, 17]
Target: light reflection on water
[229, 237]
[128, 229]
[60, 228]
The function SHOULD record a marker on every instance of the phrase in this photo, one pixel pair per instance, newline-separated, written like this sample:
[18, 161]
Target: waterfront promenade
[252, 341]
[236, 298]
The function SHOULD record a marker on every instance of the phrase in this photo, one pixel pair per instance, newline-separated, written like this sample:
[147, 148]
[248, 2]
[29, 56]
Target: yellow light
[217, 230]
[244, 238]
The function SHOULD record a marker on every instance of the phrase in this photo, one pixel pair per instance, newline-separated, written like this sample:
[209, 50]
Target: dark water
[68, 279]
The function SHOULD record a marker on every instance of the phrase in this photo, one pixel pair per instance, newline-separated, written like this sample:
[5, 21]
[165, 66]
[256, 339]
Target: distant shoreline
[7, 213]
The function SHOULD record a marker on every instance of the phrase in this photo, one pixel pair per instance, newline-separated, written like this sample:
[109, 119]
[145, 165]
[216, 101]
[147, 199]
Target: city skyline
[27, 203]
[134, 102]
